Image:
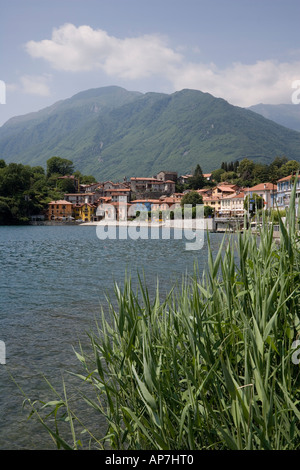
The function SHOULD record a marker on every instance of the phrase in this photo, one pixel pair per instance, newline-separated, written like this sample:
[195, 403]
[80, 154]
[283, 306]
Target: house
[141, 205]
[88, 188]
[112, 210]
[212, 197]
[142, 185]
[81, 198]
[115, 193]
[232, 205]
[224, 189]
[111, 185]
[170, 201]
[213, 201]
[60, 210]
[284, 189]
[167, 175]
[84, 211]
[139, 185]
[267, 191]
[183, 179]
[204, 192]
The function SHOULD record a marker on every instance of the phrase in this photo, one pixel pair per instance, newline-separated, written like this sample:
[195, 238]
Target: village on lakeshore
[224, 201]
[224, 198]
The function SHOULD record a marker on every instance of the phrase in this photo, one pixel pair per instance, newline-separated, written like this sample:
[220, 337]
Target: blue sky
[246, 51]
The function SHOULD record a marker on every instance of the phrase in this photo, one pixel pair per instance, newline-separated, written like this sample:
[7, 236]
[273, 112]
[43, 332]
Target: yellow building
[85, 212]
[214, 202]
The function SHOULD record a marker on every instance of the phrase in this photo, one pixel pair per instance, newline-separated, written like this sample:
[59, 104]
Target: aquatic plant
[209, 366]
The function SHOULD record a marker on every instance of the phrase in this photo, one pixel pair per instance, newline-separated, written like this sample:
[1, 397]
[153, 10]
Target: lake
[53, 280]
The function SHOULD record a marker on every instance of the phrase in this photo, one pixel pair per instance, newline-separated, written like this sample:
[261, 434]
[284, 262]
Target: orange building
[60, 210]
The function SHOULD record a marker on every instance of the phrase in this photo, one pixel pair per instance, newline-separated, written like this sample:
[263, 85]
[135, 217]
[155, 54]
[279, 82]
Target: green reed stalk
[209, 366]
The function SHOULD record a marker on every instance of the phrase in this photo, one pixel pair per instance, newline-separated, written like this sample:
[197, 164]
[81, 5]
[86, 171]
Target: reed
[209, 366]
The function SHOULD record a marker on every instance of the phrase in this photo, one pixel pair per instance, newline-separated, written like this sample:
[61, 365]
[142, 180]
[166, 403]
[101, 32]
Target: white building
[267, 191]
[284, 189]
[232, 205]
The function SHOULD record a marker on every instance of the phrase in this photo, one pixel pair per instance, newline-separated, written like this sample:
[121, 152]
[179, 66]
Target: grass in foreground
[209, 367]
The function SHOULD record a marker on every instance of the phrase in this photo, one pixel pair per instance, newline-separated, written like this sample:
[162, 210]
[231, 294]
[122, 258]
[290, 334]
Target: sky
[245, 51]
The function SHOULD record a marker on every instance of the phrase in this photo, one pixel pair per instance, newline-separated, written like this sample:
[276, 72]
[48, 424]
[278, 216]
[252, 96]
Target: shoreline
[180, 224]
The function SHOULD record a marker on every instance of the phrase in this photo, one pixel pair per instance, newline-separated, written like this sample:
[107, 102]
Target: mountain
[111, 133]
[287, 115]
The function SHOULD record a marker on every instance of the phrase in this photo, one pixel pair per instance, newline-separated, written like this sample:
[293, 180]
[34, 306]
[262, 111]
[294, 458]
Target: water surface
[53, 281]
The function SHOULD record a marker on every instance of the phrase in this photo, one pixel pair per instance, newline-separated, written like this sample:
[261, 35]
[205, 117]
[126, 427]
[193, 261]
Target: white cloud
[82, 48]
[32, 85]
[35, 85]
[243, 84]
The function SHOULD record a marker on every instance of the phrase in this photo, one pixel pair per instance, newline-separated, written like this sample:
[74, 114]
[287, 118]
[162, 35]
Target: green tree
[192, 198]
[208, 211]
[236, 165]
[37, 171]
[229, 176]
[14, 179]
[5, 212]
[61, 166]
[289, 168]
[197, 181]
[66, 185]
[279, 161]
[246, 168]
[260, 173]
[217, 174]
[84, 179]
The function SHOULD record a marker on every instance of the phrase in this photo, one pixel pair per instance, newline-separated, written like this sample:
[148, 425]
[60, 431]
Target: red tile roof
[288, 178]
[61, 201]
[117, 189]
[262, 187]
[144, 179]
[235, 196]
[226, 188]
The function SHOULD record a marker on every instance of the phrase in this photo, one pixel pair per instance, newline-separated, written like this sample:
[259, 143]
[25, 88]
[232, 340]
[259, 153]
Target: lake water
[53, 280]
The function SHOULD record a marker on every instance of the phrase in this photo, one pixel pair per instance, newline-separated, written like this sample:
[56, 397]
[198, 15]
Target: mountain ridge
[287, 115]
[112, 133]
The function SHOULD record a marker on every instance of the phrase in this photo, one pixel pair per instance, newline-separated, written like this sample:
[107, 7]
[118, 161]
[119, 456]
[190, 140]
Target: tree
[279, 161]
[38, 171]
[197, 181]
[261, 173]
[229, 176]
[208, 211]
[5, 213]
[85, 179]
[224, 166]
[14, 179]
[66, 185]
[289, 168]
[192, 198]
[60, 166]
[217, 174]
[245, 172]
[236, 165]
